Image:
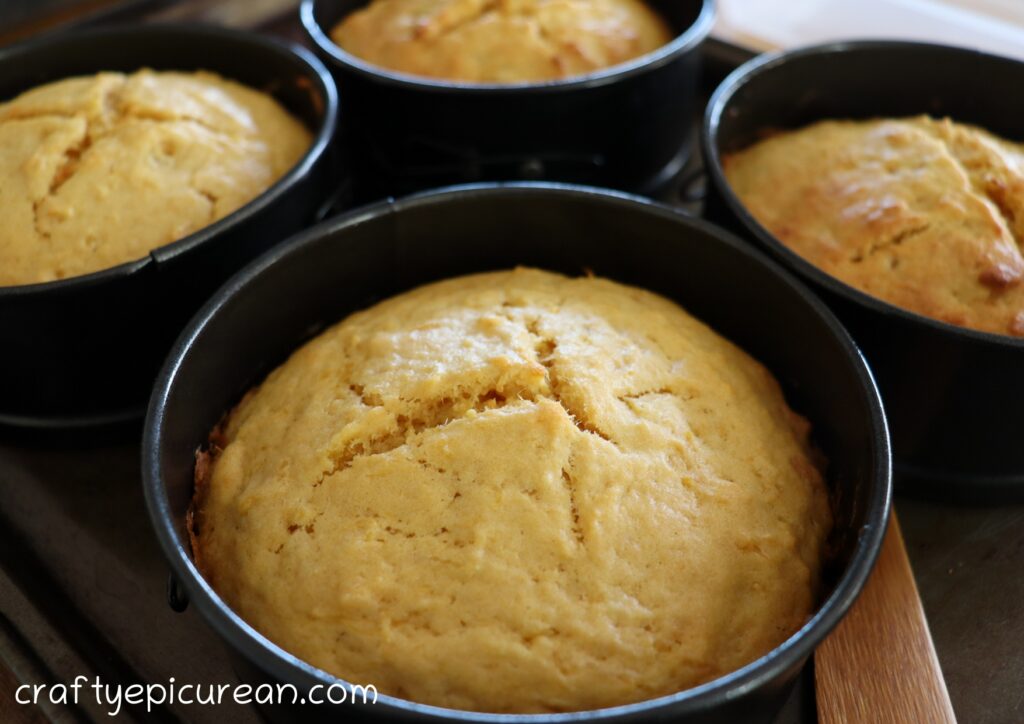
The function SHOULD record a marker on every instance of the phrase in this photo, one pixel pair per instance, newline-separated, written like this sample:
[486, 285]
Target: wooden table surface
[83, 584]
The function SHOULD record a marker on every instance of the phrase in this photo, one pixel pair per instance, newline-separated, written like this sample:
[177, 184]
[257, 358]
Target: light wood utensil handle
[879, 665]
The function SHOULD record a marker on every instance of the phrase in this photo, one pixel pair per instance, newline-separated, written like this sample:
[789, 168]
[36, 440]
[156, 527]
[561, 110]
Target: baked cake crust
[517, 492]
[98, 170]
[925, 214]
[501, 41]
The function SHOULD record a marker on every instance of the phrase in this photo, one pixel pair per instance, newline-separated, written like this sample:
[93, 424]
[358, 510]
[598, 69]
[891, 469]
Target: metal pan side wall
[85, 350]
[954, 397]
[355, 260]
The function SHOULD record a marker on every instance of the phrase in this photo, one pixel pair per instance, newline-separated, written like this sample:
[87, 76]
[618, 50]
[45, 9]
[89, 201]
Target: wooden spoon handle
[879, 665]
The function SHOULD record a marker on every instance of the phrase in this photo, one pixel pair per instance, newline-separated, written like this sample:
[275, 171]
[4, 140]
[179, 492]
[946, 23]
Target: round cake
[516, 492]
[97, 171]
[501, 41]
[925, 214]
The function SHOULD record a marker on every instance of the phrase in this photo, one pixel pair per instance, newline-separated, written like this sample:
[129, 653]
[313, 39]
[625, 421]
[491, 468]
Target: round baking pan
[354, 260]
[626, 127]
[85, 350]
[954, 396]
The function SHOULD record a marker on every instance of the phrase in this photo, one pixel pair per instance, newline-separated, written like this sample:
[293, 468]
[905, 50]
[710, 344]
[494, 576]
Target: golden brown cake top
[517, 492]
[99, 170]
[926, 214]
[501, 41]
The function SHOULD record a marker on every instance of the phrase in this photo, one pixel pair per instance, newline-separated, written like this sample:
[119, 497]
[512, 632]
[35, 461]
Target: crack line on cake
[422, 29]
[545, 349]
[433, 415]
[895, 240]
[574, 512]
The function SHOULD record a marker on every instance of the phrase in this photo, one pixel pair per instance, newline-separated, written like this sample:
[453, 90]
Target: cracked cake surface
[516, 492]
[501, 41]
[99, 170]
[923, 213]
